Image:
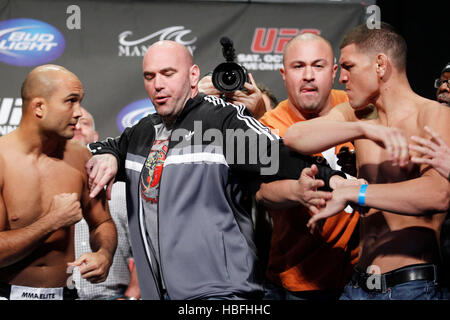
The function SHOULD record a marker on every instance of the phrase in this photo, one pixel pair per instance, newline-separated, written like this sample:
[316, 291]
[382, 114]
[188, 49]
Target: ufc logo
[10, 111]
[275, 39]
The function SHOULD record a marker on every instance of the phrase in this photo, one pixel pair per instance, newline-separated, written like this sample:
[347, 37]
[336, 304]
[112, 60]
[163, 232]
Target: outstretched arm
[427, 194]
[416, 197]
[310, 137]
[339, 126]
[289, 193]
[108, 163]
[102, 170]
[284, 194]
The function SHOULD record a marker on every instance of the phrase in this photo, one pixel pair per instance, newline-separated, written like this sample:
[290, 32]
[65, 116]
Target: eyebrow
[75, 95]
[162, 70]
[315, 61]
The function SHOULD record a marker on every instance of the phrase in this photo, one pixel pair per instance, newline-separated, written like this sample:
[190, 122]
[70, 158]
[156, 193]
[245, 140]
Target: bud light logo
[29, 42]
[134, 112]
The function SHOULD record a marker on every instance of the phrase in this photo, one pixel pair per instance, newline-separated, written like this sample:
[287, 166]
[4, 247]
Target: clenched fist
[65, 210]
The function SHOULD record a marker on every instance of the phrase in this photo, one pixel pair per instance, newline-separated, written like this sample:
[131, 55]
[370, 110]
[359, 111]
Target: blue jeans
[412, 290]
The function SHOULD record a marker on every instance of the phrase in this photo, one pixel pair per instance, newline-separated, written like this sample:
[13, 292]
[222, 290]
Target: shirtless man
[44, 192]
[400, 231]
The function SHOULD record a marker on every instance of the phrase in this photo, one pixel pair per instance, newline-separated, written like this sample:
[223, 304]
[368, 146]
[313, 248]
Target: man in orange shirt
[304, 265]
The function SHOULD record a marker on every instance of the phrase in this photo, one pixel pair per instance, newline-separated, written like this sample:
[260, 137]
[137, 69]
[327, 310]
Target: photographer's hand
[251, 97]
[206, 86]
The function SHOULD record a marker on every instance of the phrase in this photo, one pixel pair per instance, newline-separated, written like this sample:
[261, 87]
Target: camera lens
[229, 76]
[229, 80]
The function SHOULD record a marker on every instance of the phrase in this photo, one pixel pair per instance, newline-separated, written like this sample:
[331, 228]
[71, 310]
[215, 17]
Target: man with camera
[231, 82]
[187, 168]
[302, 265]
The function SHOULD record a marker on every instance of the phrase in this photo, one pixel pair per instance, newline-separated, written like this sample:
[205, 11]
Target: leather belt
[382, 282]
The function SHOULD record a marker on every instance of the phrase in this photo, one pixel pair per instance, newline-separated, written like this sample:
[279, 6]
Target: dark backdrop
[426, 28]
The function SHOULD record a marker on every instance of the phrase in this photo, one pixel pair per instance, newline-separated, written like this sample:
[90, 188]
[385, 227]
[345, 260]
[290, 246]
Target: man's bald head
[42, 82]
[51, 102]
[305, 37]
[175, 48]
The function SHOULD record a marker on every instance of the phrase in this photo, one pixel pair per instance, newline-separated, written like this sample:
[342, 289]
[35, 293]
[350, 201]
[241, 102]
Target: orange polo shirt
[299, 261]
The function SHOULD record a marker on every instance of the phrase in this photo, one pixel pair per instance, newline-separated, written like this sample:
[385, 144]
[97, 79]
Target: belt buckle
[435, 274]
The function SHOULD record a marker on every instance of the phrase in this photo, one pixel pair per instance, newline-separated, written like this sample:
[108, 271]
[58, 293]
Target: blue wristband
[362, 195]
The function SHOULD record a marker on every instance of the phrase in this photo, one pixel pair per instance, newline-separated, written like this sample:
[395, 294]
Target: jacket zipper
[155, 277]
[157, 211]
[157, 215]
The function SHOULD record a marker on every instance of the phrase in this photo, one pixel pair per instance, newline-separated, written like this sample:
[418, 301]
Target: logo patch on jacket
[153, 167]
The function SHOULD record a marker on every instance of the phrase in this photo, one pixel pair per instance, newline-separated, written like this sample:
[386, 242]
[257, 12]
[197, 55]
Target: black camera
[229, 76]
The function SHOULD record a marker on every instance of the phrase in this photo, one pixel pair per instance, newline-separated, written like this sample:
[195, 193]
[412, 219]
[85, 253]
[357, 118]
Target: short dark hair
[385, 40]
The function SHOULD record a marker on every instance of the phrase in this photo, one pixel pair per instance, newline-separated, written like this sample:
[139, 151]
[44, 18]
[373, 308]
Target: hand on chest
[31, 187]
